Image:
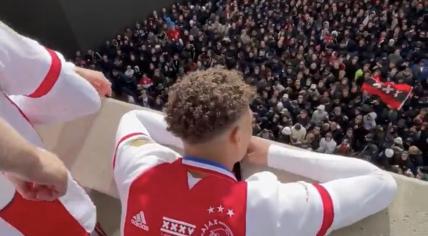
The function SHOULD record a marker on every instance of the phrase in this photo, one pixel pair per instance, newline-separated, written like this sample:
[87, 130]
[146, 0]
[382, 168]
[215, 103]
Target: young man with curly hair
[208, 117]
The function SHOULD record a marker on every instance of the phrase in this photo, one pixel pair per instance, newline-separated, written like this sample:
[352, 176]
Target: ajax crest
[216, 228]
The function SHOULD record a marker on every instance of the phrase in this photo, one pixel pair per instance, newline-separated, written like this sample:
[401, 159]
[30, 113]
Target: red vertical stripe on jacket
[50, 78]
[328, 213]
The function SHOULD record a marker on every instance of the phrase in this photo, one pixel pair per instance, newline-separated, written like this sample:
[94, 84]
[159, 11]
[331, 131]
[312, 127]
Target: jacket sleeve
[23, 64]
[136, 148]
[345, 183]
[286, 209]
[41, 82]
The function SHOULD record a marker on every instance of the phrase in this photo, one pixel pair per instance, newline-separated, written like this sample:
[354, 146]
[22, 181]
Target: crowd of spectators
[307, 59]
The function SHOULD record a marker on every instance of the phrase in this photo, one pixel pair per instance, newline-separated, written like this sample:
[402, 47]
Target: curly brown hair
[205, 103]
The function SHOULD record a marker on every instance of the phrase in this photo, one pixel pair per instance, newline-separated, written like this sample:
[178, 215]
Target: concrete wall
[69, 25]
[86, 146]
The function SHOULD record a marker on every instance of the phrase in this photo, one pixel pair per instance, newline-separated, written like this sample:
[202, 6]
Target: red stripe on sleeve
[121, 140]
[50, 78]
[328, 212]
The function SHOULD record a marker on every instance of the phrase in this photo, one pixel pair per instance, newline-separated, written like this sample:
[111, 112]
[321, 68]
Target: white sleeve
[136, 151]
[348, 183]
[278, 209]
[156, 126]
[41, 82]
[71, 97]
[23, 63]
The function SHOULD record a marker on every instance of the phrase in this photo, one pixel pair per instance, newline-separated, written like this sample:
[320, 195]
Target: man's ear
[234, 135]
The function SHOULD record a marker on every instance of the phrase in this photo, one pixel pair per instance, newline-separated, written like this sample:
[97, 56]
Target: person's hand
[409, 173]
[258, 151]
[97, 79]
[46, 180]
[419, 174]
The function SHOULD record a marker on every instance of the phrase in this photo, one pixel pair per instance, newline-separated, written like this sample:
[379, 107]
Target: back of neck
[210, 153]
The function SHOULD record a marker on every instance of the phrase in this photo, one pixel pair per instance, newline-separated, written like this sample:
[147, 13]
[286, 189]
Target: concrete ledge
[86, 146]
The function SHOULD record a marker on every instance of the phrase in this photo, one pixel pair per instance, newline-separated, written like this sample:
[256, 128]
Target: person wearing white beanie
[298, 134]
[319, 115]
[398, 141]
[321, 108]
[389, 153]
[286, 131]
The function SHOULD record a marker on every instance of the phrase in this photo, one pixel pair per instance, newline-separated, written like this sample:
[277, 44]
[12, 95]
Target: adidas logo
[139, 220]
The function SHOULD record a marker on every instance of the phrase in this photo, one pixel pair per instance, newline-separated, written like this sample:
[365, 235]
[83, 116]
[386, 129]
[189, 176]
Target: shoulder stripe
[121, 140]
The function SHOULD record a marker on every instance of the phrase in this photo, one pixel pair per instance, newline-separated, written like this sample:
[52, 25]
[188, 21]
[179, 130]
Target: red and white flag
[392, 94]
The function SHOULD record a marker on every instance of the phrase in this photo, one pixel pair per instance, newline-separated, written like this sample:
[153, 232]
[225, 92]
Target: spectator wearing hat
[285, 135]
[398, 144]
[319, 115]
[298, 134]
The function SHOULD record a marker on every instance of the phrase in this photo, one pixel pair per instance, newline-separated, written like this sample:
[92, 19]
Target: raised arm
[350, 189]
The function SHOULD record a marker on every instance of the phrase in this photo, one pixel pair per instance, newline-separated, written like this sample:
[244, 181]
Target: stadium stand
[347, 77]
